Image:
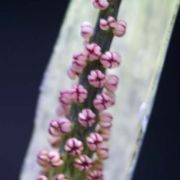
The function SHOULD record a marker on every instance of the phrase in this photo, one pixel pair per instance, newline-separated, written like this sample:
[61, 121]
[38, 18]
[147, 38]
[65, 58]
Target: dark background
[28, 30]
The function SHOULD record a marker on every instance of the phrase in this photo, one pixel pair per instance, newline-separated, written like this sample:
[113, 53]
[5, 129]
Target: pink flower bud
[111, 21]
[72, 74]
[111, 83]
[103, 151]
[60, 177]
[42, 177]
[87, 118]
[74, 146]
[103, 24]
[55, 141]
[110, 59]
[86, 30]
[95, 175]
[120, 28]
[54, 159]
[59, 126]
[105, 133]
[65, 97]
[42, 158]
[96, 78]
[100, 4]
[79, 93]
[62, 110]
[79, 62]
[105, 119]
[83, 163]
[103, 101]
[93, 51]
[94, 140]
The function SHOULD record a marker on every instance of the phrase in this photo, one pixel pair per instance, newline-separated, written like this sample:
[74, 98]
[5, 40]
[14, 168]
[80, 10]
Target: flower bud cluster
[94, 121]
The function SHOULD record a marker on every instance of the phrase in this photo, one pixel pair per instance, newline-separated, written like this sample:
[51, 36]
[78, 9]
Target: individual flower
[60, 177]
[105, 133]
[43, 158]
[105, 119]
[95, 175]
[73, 146]
[120, 28]
[103, 101]
[42, 177]
[100, 4]
[79, 61]
[103, 24]
[59, 126]
[111, 83]
[55, 159]
[86, 117]
[93, 51]
[55, 141]
[94, 140]
[111, 21]
[72, 74]
[83, 163]
[110, 59]
[79, 93]
[103, 151]
[62, 109]
[96, 78]
[86, 30]
[65, 97]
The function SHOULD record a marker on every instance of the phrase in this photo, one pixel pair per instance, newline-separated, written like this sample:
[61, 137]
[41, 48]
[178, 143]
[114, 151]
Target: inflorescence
[84, 152]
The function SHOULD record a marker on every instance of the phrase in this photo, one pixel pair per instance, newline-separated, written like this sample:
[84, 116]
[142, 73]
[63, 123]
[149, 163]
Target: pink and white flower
[95, 175]
[111, 21]
[55, 159]
[79, 62]
[103, 151]
[110, 59]
[96, 78]
[120, 28]
[103, 24]
[86, 30]
[79, 93]
[105, 119]
[62, 109]
[100, 4]
[87, 118]
[55, 141]
[74, 146]
[105, 133]
[60, 177]
[65, 97]
[94, 140]
[43, 158]
[103, 101]
[83, 163]
[59, 126]
[93, 51]
[42, 177]
[111, 83]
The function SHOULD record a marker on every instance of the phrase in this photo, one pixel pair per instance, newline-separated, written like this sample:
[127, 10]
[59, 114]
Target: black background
[28, 30]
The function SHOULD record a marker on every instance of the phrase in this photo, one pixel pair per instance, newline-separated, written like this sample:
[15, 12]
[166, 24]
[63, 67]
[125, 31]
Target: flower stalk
[83, 126]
